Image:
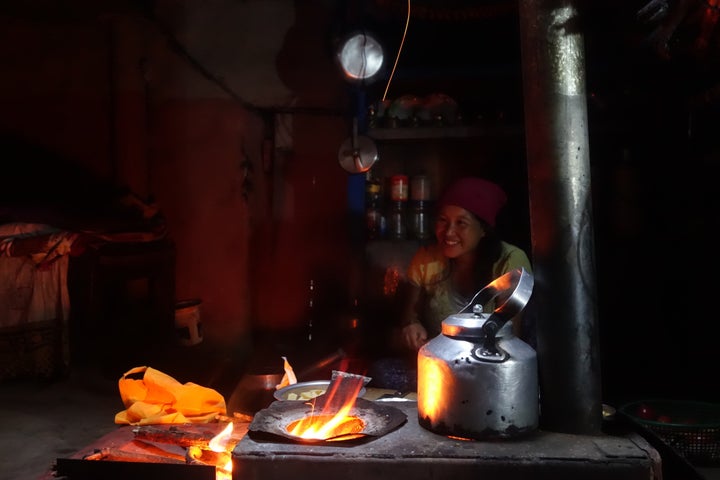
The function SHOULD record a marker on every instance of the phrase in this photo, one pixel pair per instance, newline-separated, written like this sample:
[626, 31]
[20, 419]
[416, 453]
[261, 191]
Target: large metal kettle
[477, 379]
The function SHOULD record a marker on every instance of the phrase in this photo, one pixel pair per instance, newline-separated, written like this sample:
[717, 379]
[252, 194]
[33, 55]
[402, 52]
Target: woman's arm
[412, 333]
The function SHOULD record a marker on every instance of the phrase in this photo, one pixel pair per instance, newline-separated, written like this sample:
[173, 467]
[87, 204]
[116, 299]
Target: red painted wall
[112, 95]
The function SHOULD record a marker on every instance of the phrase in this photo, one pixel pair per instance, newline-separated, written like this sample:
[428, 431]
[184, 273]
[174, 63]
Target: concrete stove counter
[414, 452]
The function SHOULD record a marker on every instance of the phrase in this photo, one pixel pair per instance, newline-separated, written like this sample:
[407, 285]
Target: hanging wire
[402, 42]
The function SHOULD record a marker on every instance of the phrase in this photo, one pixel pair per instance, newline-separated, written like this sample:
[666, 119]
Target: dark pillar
[561, 215]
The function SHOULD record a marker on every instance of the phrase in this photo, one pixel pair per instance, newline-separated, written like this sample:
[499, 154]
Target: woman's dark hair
[489, 249]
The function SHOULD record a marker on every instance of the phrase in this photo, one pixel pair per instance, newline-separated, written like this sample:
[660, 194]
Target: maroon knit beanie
[476, 195]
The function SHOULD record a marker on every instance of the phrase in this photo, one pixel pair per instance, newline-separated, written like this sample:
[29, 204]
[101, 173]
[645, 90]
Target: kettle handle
[513, 289]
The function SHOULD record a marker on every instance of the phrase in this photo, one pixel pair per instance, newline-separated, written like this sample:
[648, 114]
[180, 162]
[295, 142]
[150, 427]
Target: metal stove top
[411, 451]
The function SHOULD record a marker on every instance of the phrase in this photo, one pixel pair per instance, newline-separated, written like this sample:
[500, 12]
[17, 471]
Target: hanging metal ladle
[358, 153]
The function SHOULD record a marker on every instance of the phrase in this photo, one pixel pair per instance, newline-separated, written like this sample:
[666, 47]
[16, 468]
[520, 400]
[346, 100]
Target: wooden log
[98, 455]
[118, 455]
[237, 417]
[203, 456]
[152, 449]
[173, 435]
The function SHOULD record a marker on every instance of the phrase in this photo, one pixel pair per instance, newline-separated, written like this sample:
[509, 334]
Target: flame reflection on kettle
[430, 385]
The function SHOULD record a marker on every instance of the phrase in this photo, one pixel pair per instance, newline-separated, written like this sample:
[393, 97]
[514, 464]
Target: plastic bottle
[373, 209]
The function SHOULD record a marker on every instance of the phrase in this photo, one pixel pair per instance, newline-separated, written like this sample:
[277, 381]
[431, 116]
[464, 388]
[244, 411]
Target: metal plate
[301, 387]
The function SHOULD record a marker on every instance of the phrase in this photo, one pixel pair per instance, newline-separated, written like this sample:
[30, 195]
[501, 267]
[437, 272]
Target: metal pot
[477, 379]
[254, 392]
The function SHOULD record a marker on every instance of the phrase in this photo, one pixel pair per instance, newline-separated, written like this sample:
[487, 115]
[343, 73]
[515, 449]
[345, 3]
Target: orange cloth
[159, 398]
[289, 376]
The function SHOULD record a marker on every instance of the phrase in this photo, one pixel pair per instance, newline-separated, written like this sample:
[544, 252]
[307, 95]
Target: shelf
[429, 133]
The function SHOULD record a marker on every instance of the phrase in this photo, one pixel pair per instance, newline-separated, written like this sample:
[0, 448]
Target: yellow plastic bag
[159, 398]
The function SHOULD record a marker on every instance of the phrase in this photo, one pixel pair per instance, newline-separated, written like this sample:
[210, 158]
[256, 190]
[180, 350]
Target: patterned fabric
[34, 301]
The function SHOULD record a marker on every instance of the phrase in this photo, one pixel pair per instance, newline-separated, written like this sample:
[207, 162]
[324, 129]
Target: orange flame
[221, 443]
[332, 422]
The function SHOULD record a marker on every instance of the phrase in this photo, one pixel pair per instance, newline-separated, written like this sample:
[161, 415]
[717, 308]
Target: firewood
[117, 455]
[236, 418]
[173, 435]
[203, 456]
[152, 449]
[98, 455]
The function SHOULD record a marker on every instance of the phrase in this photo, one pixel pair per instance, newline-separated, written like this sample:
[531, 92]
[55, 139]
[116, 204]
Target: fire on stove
[187, 451]
[380, 441]
[337, 415]
[315, 422]
[216, 453]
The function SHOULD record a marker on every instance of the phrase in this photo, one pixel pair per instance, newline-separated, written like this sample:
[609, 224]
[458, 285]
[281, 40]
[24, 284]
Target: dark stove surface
[414, 452]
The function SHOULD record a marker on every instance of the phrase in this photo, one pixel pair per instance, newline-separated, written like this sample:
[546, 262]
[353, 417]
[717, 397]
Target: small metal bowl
[304, 387]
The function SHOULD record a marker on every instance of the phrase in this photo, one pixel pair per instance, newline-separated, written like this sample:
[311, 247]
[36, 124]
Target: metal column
[561, 215]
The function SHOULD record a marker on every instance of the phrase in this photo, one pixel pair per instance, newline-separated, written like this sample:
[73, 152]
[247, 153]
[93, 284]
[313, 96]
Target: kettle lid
[465, 325]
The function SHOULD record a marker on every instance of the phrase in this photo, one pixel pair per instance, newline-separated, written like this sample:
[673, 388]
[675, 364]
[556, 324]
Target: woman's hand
[414, 336]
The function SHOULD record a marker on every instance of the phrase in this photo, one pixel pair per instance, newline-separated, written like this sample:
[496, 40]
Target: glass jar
[397, 224]
[399, 188]
[420, 220]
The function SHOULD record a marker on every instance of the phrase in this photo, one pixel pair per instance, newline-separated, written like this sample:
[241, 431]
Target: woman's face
[458, 231]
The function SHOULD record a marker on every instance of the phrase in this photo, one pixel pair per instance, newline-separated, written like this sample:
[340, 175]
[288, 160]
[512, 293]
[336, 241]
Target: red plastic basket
[691, 428]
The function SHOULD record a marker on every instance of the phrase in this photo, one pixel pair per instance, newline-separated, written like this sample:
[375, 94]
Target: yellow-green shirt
[429, 269]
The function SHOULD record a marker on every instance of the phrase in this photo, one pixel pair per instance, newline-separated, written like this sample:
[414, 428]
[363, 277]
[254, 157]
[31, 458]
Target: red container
[399, 188]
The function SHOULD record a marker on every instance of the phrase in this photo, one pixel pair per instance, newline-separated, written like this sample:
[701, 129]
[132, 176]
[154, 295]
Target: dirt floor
[43, 420]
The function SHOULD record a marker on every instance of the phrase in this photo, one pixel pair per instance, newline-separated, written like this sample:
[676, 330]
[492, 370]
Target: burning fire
[220, 443]
[217, 453]
[327, 427]
[333, 422]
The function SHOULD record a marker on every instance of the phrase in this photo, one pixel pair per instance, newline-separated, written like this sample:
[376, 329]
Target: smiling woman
[442, 277]
[468, 255]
